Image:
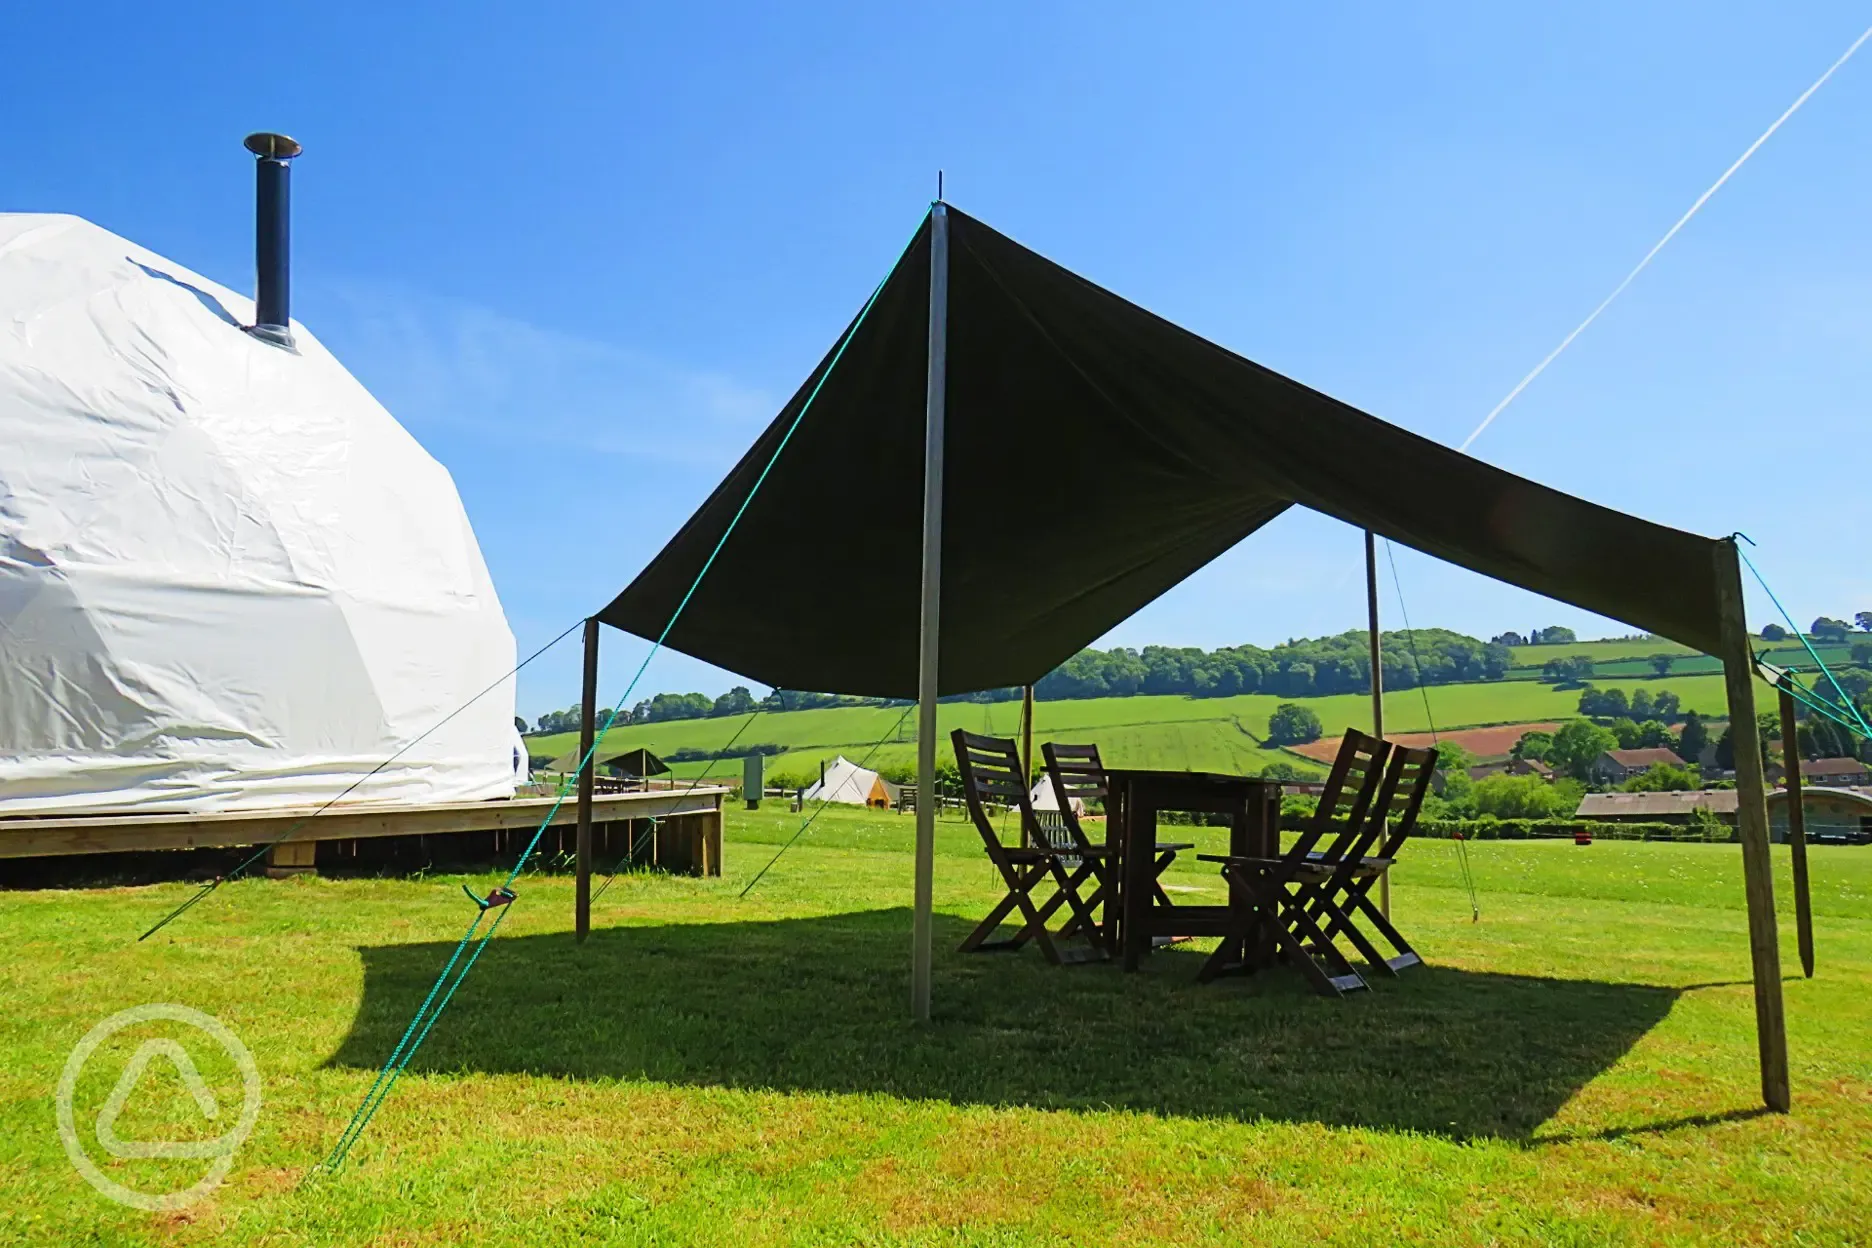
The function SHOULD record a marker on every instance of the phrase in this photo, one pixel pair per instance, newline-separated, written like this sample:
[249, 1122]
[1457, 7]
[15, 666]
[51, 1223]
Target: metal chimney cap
[268, 145]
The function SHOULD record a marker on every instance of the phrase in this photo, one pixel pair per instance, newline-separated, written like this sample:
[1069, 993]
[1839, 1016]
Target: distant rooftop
[1832, 767]
[1655, 805]
[1640, 759]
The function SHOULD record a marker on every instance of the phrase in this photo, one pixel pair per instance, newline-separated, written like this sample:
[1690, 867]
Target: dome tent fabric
[228, 578]
[847, 782]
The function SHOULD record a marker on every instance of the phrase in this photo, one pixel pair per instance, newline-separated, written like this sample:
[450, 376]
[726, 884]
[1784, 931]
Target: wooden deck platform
[689, 822]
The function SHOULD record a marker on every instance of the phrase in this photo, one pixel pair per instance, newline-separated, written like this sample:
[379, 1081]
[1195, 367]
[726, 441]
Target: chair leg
[1320, 905]
[1092, 903]
[1295, 931]
[1062, 895]
[1358, 899]
[1019, 884]
[1232, 955]
[1406, 956]
[1083, 920]
[1033, 919]
[1163, 864]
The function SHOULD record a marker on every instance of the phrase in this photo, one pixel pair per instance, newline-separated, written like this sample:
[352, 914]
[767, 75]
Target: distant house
[1657, 807]
[1618, 766]
[1835, 772]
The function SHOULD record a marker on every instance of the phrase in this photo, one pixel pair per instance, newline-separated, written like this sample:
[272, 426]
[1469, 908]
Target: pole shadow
[821, 1004]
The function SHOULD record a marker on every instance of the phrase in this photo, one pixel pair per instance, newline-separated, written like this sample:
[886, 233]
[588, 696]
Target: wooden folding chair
[991, 772]
[1347, 893]
[1269, 897]
[1078, 773]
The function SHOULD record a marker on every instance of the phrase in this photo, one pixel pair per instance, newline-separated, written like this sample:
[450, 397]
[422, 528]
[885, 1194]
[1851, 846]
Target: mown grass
[1225, 734]
[1630, 658]
[1576, 1068]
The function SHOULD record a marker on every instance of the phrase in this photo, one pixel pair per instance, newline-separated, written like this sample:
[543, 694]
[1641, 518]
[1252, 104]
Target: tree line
[1309, 667]
[1824, 628]
[1302, 668]
[662, 707]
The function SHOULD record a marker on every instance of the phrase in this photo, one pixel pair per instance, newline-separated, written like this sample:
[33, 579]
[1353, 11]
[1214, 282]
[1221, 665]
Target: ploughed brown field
[1484, 743]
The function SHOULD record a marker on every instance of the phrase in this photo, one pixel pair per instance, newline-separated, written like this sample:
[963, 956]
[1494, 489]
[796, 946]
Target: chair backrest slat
[991, 771]
[1076, 772]
[1410, 773]
[1350, 789]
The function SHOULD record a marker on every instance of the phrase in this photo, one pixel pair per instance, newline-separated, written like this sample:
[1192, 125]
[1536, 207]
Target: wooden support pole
[1027, 755]
[1797, 833]
[588, 726]
[1377, 681]
[929, 631]
[1752, 826]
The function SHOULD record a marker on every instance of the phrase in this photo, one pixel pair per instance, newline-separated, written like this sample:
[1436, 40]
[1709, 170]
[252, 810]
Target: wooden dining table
[1137, 912]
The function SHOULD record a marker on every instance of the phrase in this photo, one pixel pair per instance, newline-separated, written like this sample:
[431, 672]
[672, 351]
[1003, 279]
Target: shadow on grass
[1665, 1127]
[821, 1004]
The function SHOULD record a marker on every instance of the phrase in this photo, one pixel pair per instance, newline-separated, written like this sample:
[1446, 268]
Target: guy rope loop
[500, 902]
[268, 846]
[1816, 702]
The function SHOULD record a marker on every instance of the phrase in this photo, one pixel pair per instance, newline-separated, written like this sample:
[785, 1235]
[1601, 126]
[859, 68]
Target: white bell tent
[847, 782]
[1043, 797]
[228, 578]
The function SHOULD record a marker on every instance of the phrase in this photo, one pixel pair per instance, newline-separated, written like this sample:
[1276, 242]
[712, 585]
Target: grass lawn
[1576, 1068]
[1630, 658]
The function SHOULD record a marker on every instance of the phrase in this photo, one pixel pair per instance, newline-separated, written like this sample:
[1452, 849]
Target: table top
[1198, 777]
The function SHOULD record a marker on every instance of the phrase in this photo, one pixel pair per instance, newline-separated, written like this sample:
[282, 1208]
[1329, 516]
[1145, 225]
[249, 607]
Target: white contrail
[1670, 234]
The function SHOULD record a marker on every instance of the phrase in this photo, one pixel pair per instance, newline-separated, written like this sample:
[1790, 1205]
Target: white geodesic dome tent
[228, 578]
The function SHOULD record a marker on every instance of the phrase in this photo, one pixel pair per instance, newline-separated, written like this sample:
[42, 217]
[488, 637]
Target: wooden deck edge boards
[98, 834]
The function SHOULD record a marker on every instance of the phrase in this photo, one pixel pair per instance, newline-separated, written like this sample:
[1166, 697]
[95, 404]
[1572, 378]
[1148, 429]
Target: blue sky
[583, 251]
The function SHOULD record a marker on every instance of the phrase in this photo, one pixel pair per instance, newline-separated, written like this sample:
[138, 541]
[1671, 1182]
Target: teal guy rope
[1410, 639]
[817, 810]
[695, 784]
[399, 1058]
[266, 848]
[1820, 706]
[1864, 728]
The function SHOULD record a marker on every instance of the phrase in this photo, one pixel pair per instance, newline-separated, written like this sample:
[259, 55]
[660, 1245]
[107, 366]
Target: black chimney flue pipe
[272, 237]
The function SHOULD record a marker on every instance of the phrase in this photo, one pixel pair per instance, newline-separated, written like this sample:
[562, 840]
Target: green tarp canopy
[1095, 456]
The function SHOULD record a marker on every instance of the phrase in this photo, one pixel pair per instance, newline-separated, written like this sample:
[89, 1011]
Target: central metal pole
[1377, 682]
[1027, 758]
[588, 733]
[930, 622]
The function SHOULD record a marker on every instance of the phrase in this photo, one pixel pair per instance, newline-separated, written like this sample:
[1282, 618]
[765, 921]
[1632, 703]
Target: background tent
[847, 782]
[638, 764]
[633, 761]
[1044, 797]
[228, 578]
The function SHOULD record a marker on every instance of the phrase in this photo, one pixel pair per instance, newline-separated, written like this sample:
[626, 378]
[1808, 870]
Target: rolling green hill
[1144, 731]
[1632, 657]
